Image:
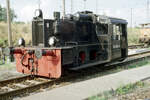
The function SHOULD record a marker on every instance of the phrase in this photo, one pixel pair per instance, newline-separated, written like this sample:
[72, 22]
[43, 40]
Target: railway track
[136, 46]
[140, 53]
[26, 84]
[29, 84]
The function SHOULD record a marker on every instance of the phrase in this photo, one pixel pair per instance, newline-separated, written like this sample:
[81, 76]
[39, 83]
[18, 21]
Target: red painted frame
[49, 65]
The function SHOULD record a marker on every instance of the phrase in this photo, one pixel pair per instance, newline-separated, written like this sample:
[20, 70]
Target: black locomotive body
[84, 40]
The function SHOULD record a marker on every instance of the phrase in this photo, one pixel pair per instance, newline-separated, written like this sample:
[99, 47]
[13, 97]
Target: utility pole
[147, 10]
[39, 4]
[131, 18]
[96, 6]
[9, 24]
[84, 4]
[64, 9]
[71, 6]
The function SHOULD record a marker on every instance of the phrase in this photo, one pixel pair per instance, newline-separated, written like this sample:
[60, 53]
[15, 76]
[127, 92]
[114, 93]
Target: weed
[119, 91]
[18, 30]
[133, 36]
[128, 88]
[139, 64]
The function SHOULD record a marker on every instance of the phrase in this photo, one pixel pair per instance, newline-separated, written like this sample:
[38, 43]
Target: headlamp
[21, 42]
[52, 41]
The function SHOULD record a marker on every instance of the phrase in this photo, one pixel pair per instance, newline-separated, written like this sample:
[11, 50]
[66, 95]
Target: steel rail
[15, 80]
[29, 89]
[140, 53]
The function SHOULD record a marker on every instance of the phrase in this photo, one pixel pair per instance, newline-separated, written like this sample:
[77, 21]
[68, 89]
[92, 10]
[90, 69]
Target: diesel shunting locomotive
[73, 42]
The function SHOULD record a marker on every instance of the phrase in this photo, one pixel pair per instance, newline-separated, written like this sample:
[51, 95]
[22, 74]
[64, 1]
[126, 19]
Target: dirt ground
[8, 71]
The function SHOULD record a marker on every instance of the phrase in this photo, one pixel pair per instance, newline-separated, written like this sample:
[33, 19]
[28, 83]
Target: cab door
[116, 41]
[103, 35]
[124, 42]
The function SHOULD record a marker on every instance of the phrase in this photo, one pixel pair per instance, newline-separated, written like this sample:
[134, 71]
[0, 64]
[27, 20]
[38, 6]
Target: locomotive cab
[74, 42]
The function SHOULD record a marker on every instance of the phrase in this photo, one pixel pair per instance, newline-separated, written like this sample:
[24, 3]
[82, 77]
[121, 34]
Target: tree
[3, 14]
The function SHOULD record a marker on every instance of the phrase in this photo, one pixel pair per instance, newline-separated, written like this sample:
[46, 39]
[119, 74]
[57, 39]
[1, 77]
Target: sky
[115, 8]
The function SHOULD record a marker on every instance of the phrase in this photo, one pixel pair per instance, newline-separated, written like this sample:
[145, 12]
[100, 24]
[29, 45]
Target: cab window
[117, 31]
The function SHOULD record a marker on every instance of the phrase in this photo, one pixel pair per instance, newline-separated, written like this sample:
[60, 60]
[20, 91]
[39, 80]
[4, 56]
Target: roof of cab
[113, 19]
[117, 20]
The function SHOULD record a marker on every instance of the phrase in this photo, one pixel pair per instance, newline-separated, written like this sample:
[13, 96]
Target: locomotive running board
[89, 65]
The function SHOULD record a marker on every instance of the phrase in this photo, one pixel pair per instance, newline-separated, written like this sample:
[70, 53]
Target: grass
[131, 66]
[8, 66]
[122, 90]
[129, 88]
[18, 30]
[139, 64]
[133, 36]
